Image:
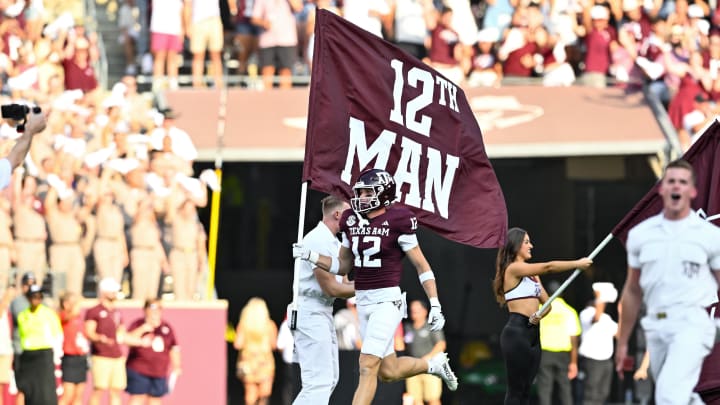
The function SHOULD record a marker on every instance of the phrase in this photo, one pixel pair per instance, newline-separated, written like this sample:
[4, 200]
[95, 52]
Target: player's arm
[427, 278]
[335, 265]
[436, 319]
[330, 285]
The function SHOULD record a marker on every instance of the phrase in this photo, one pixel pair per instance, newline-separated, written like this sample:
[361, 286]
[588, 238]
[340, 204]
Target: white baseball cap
[109, 284]
[490, 34]
[695, 11]
[606, 291]
[599, 13]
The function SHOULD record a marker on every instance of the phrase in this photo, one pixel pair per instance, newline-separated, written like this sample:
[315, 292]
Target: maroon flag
[703, 155]
[373, 105]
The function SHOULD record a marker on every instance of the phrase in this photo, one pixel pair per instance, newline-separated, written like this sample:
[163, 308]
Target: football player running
[375, 238]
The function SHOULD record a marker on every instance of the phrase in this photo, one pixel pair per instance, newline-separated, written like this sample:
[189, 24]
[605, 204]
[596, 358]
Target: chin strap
[362, 221]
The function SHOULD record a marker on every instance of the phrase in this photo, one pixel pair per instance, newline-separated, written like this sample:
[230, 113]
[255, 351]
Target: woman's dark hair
[505, 256]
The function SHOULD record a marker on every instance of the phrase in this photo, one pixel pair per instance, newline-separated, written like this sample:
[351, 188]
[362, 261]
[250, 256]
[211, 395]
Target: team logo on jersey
[351, 220]
[691, 269]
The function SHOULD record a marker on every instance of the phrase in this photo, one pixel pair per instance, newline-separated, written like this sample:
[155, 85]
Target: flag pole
[573, 276]
[215, 201]
[298, 263]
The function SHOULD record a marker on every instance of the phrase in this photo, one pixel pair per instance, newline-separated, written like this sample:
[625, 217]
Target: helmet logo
[373, 189]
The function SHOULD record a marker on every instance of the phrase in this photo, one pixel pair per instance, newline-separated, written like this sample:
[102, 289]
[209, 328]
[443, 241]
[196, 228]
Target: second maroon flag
[373, 105]
[703, 156]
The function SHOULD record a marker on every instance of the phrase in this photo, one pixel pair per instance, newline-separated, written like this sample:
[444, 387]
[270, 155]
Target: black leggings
[520, 345]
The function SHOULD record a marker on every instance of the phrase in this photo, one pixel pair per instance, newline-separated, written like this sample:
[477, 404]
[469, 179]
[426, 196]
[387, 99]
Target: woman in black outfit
[518, 286]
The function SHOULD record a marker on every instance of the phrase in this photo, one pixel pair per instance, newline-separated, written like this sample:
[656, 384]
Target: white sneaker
[440, 366]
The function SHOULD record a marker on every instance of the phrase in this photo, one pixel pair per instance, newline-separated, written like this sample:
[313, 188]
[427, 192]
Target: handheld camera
[18, 112]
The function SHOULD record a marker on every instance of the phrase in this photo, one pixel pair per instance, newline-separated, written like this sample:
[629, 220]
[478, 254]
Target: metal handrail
[91, 25]
[673, 149]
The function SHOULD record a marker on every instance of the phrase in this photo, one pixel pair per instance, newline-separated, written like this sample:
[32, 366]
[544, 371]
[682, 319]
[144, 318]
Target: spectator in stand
[371, 15]
[205, 32]
[41, 340]
[675, 60]
[153, 362]
[24, 79]
[79, 71]
[698, 28]
[6, 344]
[651, 60]
[310, 25]
[105, 331]
[563, 23]
[74, 363]
[600, 40]
[517, 48]
[624, 68]
[34, 15]
[694, 80]
[412, 21]
[704, 110]
[65, 221]
[181, 144]
[255, 339]
[554, 68]
[110, 249]
[463, 22]
[680, 15]
[185, 260]
[498, 15]
[486, 68]
[278, 39]
[446, 51]
[635, 13]
[129, 24]
[711, 62]
[245, 40]
[166, 41]
[147, 256]
[47, 60]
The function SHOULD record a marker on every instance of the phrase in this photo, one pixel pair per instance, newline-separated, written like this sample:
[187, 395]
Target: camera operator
[35, 123]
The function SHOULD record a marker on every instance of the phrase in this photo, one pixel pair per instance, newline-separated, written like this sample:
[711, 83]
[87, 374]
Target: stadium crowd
[670, 47]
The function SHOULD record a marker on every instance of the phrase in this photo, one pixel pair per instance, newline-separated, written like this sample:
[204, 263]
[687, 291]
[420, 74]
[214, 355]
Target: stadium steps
[106, 20]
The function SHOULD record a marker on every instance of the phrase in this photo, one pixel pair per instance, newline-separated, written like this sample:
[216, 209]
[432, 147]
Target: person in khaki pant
[185, 262]
[147, 256]
[29, 228]
[65, 223]
[105, 330]
[110, 249]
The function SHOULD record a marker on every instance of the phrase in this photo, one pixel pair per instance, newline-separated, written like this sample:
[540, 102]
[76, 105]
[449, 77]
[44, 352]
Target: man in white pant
[673, 265]
[316, 343]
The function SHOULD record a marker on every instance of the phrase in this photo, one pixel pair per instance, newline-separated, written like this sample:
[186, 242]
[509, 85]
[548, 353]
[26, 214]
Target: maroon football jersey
[378, 255]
